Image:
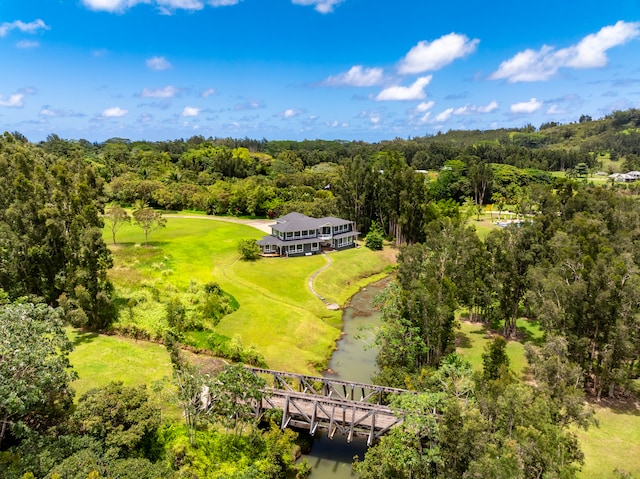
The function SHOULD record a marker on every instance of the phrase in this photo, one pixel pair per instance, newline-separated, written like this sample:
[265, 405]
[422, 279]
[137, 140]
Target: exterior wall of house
[343, 243]
[301, 250]
[298, 235]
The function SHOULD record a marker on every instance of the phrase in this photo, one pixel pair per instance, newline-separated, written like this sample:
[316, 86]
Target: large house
[296, 234]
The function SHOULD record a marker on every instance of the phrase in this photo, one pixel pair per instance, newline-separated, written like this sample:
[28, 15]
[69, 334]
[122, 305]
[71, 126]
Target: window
[315, 246]
[299, 248]
[289, 235]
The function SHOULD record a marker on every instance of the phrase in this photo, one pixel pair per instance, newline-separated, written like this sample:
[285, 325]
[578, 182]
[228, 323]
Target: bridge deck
[313, 402]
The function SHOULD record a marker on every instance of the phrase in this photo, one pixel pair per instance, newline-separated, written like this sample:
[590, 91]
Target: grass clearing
[472, 338]
[277, 314]
[613, 444]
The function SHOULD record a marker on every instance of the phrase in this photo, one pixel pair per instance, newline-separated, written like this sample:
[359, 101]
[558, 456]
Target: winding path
[332, 306]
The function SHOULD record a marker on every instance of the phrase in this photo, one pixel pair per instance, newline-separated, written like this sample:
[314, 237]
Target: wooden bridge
[312, 403]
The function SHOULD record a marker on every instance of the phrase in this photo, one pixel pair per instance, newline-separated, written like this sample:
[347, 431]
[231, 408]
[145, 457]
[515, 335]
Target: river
[353, 360]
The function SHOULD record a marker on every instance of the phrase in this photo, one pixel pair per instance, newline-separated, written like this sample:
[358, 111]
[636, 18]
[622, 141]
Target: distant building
[296, 234]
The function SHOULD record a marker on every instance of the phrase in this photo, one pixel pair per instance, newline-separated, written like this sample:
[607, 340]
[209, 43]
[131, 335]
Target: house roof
[299, 222]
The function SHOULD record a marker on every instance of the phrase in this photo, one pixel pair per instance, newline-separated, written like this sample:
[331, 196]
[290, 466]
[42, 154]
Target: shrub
[249, 249]
[375, 237]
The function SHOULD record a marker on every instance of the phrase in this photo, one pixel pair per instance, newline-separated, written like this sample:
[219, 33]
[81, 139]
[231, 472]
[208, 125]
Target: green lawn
[613, 443]
[277, 313]
[472, 338]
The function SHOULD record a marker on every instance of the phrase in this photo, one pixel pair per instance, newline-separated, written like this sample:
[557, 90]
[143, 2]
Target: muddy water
[354, 360]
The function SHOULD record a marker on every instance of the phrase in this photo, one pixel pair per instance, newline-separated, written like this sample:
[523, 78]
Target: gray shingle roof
[299, 222]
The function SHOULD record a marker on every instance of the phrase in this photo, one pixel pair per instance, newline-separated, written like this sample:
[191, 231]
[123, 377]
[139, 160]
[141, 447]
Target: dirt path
[331, 306]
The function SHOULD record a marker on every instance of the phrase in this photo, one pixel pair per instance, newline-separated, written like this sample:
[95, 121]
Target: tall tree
[50, 214]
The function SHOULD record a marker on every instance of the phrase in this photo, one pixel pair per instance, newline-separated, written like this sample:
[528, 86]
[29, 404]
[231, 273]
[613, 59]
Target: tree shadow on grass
[84, 337]
[462, 340]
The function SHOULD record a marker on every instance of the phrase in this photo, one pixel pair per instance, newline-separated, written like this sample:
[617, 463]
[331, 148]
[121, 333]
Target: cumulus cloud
[31, 27]
[191, 111]
[158, 63]
[357, 76]
[290, 113]
[425, 106]
[526, 106]
[421, 113]
[14, 101]
[591, 52]
[114, 112]
[321, 6]
[110, 5]
[432, 56]
[469, 109]
[166, 92]
[443, 115]
[404, 93]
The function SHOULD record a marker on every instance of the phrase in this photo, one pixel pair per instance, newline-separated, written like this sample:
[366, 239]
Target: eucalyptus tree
[52, 245]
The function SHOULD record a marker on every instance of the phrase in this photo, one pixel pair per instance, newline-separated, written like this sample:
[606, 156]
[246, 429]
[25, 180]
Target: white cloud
[26, 44]
[290, 113]
[469, 109]
[223, 3]
[165, 6]
[425, 106]
[181, 4]
[443, 116]
[47, 111]
[526, 106]
[249, 105]
[111, 5]
[208, 92]
[14, 101]
[114, 112]
[590, 52]
[158, 63]
[413, 92]
[191, 111]
[439, 53]
[555, 110]
[321, 6]
[31, 27]
[492, 106]
[166, 92]
[357, 76]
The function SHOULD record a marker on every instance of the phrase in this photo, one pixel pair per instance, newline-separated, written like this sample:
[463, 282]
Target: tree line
[572, 269]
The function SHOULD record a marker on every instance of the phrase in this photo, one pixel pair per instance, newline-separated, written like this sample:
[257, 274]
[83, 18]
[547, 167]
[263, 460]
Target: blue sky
[307, 69]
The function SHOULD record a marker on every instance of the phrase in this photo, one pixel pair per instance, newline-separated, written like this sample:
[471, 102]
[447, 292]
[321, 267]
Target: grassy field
[614, 443]
[277, 314]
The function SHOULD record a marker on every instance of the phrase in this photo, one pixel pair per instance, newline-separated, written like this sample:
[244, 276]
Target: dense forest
[572, 266]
